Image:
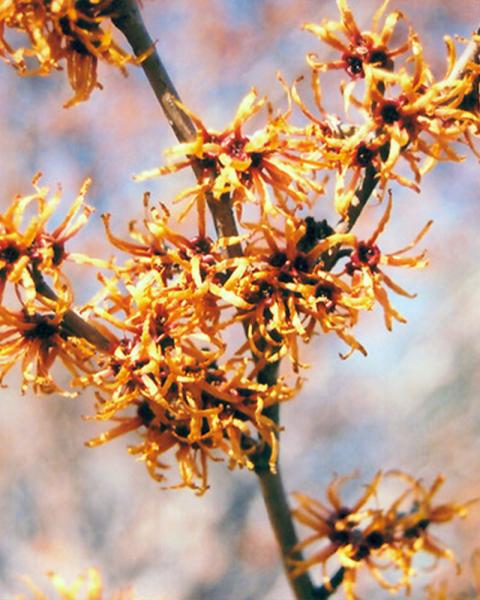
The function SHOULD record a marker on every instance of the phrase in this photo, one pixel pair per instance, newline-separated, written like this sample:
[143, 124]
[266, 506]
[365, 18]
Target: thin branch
[325, 591]
[72, 322]
[362, 195]
[279, 514]
[128, 19]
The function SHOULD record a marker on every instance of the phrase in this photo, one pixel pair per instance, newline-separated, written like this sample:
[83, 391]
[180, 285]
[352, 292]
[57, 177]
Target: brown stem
[325, 591]
[279, 514]
[72, 322]
[362, 196]
[129, 20]
[275, 499]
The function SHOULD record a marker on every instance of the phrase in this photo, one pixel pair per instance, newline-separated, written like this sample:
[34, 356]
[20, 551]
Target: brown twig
[129, 20]
[72, 322]
[362, 195]
[278, 509]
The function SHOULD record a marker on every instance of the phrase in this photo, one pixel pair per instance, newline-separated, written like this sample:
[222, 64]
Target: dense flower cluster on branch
[364, 536]
[165, 315]
[158, 343]
[168, 364]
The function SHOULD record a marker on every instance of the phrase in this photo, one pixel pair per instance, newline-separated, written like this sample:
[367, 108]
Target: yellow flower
[369, 281]
[184, 401]
[285, 290]
[24, 248]
[36, 340]
[165, 264]
[246, 166]
[87, 586]
[365, 536]
[361, 49]
[70, 30]
[353, 157]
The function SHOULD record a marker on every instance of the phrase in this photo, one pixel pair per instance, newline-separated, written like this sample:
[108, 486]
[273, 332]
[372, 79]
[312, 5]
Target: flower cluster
[363, 536]
[245, 166]
[167, 375]
[407, 114]
[87, 586]
[38, 333]
[166, 318]
[64, 30]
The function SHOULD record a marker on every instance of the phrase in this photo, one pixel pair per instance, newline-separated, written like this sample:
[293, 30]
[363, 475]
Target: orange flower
[285, 290]
[361, 49]
[368, 279]
[164, 264]
[23, 249]
[381, 540]
[184, 401]
[421, 125]
[415, 525]
[70, 30]
[246, 166]
[37, 340]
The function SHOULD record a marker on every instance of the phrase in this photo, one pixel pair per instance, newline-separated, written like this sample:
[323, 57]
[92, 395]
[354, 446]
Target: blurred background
[411, 404]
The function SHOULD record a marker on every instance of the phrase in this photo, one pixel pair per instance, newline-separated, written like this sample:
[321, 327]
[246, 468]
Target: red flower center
[365, 255]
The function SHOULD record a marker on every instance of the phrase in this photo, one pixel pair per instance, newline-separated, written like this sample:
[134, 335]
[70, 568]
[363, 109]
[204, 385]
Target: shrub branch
[128, 19]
